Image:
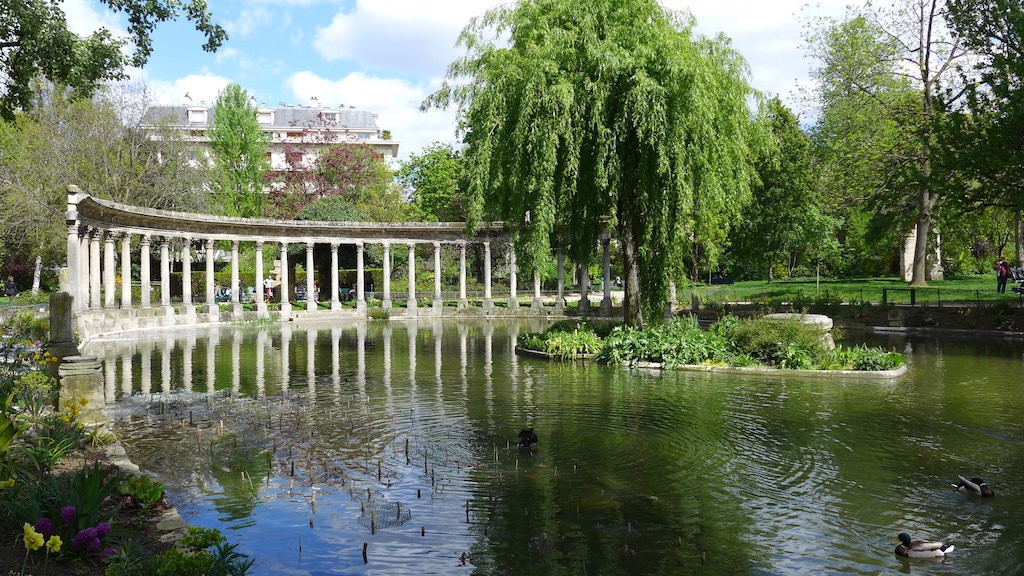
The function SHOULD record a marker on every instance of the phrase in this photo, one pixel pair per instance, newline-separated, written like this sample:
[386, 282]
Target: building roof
[284, 117]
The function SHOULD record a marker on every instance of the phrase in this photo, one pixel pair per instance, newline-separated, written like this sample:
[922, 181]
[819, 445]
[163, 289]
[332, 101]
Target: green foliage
[143, 491]
[35, 41]
[198, 538]
[379, 313]
[562, 341]
[676, 342]
[239, 150]
[433, 181]
[597, 114]
[201, 552]
[788, 343]
[331, 209]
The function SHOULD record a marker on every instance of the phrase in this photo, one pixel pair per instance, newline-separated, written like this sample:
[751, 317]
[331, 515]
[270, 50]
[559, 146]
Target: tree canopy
[580, 117]
[239, 150]
[35, 42]
[433, 183]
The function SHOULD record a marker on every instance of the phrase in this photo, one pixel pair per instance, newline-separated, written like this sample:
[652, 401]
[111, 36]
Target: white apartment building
[291, 130]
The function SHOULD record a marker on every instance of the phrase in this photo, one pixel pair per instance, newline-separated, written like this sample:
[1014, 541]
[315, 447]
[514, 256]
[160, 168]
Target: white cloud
[395, 101]
[251, 19]
[199, 87]
[409, 37]
[84, 18]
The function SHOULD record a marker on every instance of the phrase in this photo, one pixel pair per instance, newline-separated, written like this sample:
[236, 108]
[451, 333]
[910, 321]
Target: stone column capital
[259, 244]
[146, 239]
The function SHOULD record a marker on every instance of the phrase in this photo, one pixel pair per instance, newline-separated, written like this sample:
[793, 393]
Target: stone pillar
[82, 280]
[463, 301]
[81, 378]
[144, 261]
[261, 303]
[606, 302]
[488, 303]
[236, 297]
[536, 303]
[211, 303]
[513, 297]
[62, 327]
[94, 270]
[187, 306]
[335, 303]
[670, 306]
[286, 307]
[310, 278]
[386, 300]
[438, 302]
[109, 269]
[165, 276]
[410, 305]
[360, 279]
[560, 272]
[73, 262]
[126, 270]
[584, 289]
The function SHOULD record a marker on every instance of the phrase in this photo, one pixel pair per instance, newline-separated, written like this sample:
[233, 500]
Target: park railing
[780, 297]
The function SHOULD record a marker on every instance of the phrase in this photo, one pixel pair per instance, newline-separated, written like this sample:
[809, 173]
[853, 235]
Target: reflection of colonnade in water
[257, 358]
[105, 239]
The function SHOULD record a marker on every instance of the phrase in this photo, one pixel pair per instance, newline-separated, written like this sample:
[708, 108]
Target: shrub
[787, 343]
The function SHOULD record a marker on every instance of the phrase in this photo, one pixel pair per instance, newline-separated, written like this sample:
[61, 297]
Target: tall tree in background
[887, 77]
[598, 115]
[782, 223]
[239, 153]
[96, 145]
[35, 42]
[433, 182]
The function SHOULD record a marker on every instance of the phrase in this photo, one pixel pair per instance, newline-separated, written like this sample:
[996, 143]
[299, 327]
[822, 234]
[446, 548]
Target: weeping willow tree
[582, 117]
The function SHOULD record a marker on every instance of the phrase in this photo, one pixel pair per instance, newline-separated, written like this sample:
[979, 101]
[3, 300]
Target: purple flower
[84, 539]
[102, 529]
[67, 514]
[44, 527]
[109, 551]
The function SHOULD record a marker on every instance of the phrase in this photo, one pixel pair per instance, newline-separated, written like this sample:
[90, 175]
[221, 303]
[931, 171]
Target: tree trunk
[924, 222]
[1017, 240]
[35, 275]
[632, 311]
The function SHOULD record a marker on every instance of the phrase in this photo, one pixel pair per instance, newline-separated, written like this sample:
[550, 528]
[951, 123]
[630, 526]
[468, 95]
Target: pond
[312, 446]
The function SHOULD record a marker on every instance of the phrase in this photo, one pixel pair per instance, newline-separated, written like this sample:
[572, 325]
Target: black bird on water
[527, 438]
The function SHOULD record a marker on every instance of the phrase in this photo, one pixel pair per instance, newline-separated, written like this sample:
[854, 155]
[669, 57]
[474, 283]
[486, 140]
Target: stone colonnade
[101, 235]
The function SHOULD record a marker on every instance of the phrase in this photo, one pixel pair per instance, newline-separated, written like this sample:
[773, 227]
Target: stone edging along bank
[869, 374]
[169, 523]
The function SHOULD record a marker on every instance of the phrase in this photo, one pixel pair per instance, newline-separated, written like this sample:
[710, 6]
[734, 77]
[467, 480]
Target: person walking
[1002, 275]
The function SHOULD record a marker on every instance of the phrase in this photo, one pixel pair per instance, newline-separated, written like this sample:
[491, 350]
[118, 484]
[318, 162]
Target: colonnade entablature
[106, 238]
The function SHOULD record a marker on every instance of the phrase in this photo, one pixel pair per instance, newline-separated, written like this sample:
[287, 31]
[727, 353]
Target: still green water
[401, 437]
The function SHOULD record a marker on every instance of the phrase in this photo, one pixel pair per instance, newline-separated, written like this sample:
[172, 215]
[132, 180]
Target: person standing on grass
[10, 288]
[1002, 275]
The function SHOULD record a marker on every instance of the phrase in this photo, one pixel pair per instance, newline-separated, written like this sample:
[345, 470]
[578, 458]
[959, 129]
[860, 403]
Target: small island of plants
[756, 342]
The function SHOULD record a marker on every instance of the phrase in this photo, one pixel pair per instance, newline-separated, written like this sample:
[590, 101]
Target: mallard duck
[920, 548]
[975, 486]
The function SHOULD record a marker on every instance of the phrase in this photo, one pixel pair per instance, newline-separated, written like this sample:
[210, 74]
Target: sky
[386, 56]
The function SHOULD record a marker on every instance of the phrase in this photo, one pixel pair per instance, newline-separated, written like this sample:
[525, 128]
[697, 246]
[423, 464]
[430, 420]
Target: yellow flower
[53, 544]
[33, 539]
[7, 483]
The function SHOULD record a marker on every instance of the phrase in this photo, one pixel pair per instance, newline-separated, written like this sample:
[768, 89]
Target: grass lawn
[968, 289]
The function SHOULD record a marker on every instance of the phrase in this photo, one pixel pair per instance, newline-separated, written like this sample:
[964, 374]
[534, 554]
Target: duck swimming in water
[920, 548]
[975, 486]
[527, 437]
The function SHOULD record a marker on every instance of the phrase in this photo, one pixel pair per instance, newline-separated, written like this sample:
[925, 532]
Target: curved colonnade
[100, 250]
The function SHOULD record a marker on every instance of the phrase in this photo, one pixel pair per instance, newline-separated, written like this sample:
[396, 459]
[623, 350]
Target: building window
[330, 117]
[364, 136]
[265, 117]
[197, 115]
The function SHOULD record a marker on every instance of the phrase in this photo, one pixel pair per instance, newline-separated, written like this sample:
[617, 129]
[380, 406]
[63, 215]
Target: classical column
[310, 277]
[670, 305]
[513, 297]
[109, 268]
[165, 276]
[536, 303]
[410, 304]
[286, 306]
[74, 263]
[560, 271]
[488, 303]
[360, 279]
[438, 303]
[236, 298]
[82, 279]
[144, 262]
[261, 304]
[211, 302]
[126, 270]
[186, 277]
[606, 302]
[584, 288]
[386, 300]
[335, 303]
[463, 301]
[94, 270]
